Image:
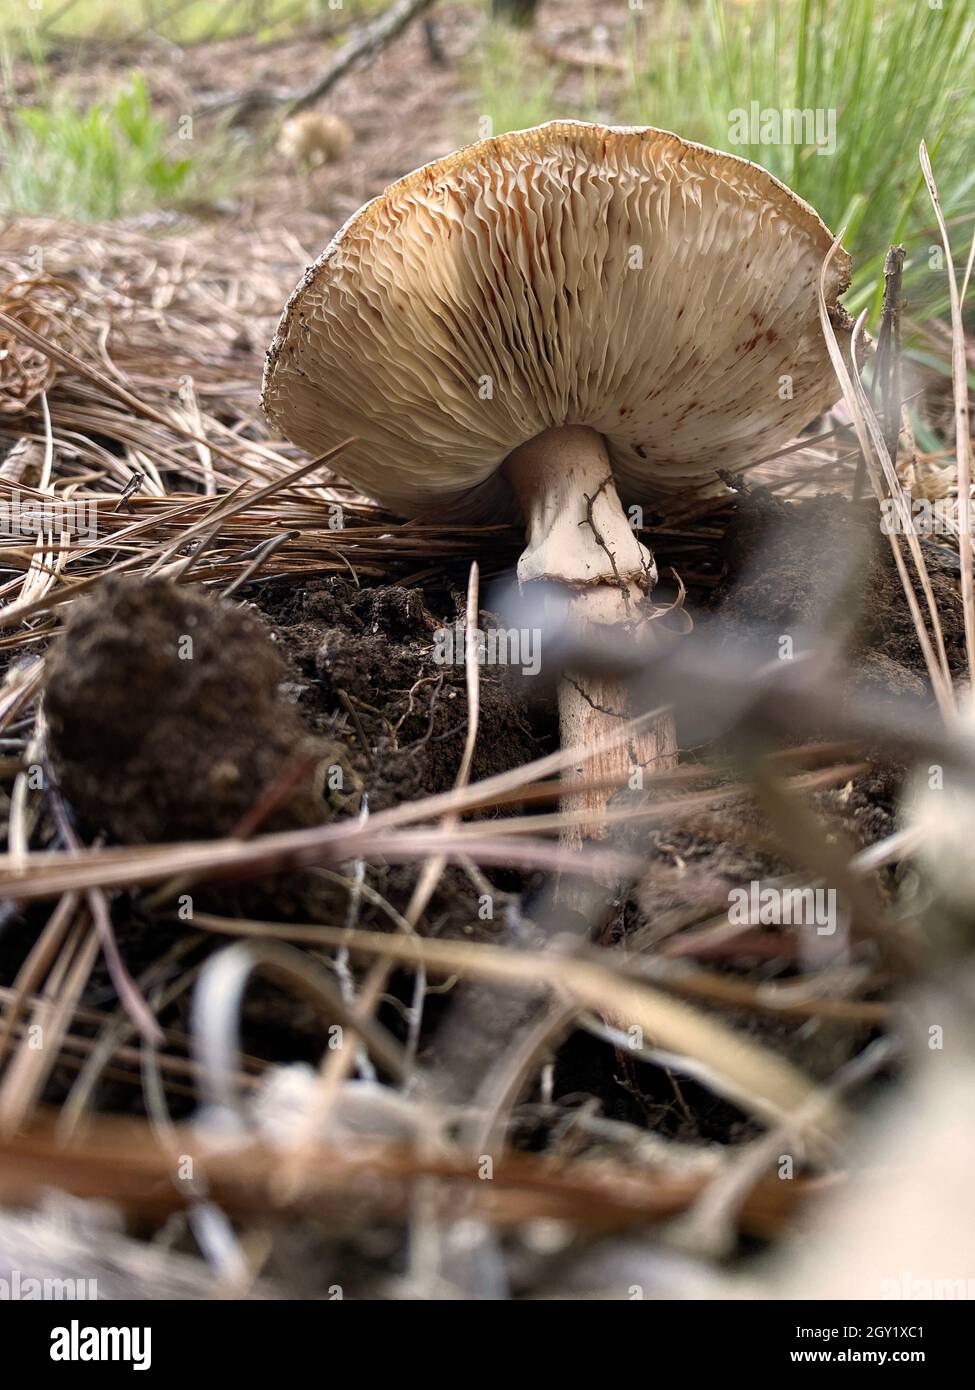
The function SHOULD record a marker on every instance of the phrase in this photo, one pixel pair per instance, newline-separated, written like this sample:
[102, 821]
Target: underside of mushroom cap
[659, 292]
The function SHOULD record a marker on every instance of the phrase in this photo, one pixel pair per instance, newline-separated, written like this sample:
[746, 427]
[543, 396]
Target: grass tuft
[113, 158]
[101, 161]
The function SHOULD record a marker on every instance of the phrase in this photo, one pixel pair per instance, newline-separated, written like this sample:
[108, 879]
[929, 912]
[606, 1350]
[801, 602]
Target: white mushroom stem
[580, 538]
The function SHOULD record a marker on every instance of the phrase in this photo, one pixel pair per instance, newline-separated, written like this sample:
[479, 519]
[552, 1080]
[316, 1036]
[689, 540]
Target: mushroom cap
[659, 292]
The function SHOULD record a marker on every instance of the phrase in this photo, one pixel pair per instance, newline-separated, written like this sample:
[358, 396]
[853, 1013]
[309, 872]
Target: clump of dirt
[167, 719]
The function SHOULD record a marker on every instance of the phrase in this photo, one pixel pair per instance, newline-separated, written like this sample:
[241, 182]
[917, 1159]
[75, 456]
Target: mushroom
[560, 318]
[314, 138]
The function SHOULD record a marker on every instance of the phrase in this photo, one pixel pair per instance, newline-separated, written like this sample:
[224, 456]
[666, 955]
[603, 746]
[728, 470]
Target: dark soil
[822, 566]
[146, 745]
[365, 669]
